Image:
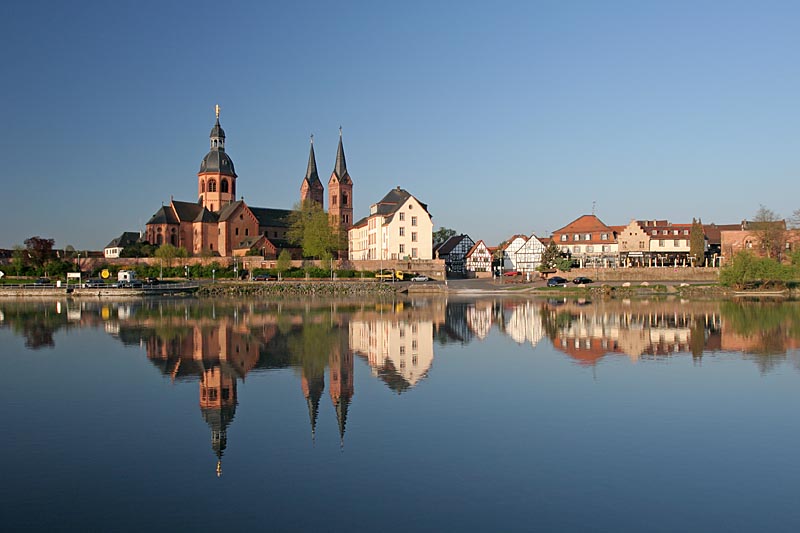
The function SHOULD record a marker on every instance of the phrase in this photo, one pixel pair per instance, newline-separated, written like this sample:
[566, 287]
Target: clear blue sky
[504, 117]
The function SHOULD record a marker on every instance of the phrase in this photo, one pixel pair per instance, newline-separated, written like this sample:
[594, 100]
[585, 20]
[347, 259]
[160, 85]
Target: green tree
[19, 260]
[311, 229]
[169, 253]
[442, 234]
[284, 262]
[138, 249]
[697, 243]
[551, 257]
[40, 250]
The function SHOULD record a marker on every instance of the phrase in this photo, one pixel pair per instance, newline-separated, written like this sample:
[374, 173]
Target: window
[212, 186]
[413, 221]
[576, 237]
[606, 248]
[414, 253]
[334, 199]
[686, 232]
[661, 243]
[589, 249]
[223, 185]
[604, 236]
[344, 198]
[564, 237]
[236, 231]
[402, 249]
[676, 243]
[587, 237]
[674, 232]
[413, 236]
[247, 231]
[202, 186]
[402, 231]
[576, 249]
[402, 217]
[655, 232]
[641, 245]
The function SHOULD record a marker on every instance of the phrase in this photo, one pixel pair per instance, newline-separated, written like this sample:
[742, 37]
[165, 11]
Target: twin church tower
[218, 224]
[216, 180]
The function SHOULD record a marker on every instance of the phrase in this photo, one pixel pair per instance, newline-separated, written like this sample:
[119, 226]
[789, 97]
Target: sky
[504, 117]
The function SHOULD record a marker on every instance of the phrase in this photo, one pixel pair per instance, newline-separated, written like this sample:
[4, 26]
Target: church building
[218, 224]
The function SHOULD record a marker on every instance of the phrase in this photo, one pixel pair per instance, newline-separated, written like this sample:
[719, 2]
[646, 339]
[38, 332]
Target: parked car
[263, 277]
[94, 283]
[152, 281]
[43, 281]
[387, 274]
[580, 280]
[511, 273]
[420, 277]
[557, 281]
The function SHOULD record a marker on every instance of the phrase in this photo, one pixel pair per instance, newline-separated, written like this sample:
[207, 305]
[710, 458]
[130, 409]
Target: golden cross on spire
[217, 110]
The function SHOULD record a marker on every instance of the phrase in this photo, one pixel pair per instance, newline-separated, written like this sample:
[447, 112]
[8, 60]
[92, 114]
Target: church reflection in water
[219, 344]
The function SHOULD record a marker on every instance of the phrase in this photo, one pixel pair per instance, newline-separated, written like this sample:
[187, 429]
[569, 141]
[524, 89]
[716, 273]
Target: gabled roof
[206, 216]
[186, 211]
[394, 199]
[476, 246]
[268, 217]
[447, 246]
[163, 216]
[227, 210]
[584, 224]
[714, 231]
[126, 239]
[504, 246]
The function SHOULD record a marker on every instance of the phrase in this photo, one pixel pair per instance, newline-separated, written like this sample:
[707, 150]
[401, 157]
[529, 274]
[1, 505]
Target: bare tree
[770, 230]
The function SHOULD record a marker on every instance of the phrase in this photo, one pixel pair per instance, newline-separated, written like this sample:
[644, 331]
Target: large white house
[509, 251]
[398, 227]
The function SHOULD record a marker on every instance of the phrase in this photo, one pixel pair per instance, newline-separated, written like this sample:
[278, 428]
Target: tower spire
[341, 163]
[311, 171]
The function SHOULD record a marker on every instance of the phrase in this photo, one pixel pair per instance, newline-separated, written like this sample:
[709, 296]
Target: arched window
[173, 240]
[344, 198]
[212, 186]
[223, 186]
[159, 240]
[202, 186]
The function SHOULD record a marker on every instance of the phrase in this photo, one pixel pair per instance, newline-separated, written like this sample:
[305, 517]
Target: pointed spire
[217, 134]
[342, 406]
[341, 164]
[311, 171]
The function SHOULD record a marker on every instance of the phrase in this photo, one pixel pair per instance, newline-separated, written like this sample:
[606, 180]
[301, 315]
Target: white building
[398, 227]
[479, 258]
[510, 252]
[529, 255]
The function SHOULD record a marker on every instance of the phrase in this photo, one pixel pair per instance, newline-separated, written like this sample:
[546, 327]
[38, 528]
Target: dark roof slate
[186, 211]
[163, 216]
[126, 239]
[268, 217]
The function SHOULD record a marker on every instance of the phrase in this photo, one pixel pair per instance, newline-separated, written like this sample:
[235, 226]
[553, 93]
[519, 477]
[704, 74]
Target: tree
[284, 262]
[40, 250]
[795, 219]
[770, 230]
[312, 229]
[441, 235]
[19, 259]
[168, 253]
[697, 243]
[551, 257]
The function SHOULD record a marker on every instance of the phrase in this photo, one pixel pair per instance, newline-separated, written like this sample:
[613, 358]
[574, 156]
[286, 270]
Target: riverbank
[296, 288]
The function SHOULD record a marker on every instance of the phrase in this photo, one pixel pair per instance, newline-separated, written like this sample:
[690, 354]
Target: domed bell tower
[216, 181]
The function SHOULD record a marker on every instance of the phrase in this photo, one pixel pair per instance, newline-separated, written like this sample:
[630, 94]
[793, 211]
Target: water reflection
[218, 344]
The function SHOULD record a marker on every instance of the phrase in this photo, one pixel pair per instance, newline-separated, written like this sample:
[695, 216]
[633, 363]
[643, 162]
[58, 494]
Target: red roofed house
[589, 241]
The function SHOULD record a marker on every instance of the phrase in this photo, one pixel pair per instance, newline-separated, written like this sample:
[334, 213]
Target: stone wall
[645, 274]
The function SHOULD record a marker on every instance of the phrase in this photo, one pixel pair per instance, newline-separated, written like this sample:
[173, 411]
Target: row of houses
[642, 243]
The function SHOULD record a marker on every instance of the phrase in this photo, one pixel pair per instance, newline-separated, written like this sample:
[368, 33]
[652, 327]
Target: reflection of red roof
[585, 356]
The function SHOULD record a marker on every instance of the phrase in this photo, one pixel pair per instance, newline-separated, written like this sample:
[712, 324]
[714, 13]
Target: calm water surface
[423, 415]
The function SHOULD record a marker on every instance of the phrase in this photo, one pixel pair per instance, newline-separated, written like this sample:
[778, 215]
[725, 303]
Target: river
[400, 415]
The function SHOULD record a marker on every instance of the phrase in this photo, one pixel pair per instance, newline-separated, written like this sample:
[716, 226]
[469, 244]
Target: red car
[511, 273]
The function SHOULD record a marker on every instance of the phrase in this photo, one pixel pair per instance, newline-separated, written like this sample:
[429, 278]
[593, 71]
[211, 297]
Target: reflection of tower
[340, 363]
[218, 407]
[312, 390]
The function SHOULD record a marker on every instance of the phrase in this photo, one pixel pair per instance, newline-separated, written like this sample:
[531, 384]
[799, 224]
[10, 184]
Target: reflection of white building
[525, 324]
[479, 319]
[399, 352]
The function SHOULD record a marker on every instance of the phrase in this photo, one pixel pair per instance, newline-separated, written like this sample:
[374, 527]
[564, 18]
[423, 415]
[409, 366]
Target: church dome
[218, 161]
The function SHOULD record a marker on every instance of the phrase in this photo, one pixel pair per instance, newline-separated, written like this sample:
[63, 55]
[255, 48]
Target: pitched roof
[506, 244]
[393, 200]
[163, 216]
[476, 246]
[585, 223]
[126, 239]
[206, 216]
[186, 211]
[714, 231]
[447, 246]
[227, 210]
[340, 169]
[268, 217]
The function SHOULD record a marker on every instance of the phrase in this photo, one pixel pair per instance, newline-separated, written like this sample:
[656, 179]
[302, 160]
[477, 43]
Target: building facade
[398, 227]
[479, 258]
[588, 241]
[454, 253]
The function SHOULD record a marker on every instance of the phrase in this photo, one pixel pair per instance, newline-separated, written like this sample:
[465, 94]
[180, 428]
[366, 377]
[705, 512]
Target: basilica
[218, 224]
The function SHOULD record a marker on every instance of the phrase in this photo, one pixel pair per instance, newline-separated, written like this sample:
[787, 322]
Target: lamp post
[213, 275]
